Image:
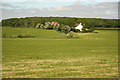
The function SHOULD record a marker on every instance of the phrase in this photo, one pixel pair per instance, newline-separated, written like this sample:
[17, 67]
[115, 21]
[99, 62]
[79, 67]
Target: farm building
[55, 24]
[80, 26]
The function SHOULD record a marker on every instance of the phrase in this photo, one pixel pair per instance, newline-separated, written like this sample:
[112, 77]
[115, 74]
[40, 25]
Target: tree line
[69, 21]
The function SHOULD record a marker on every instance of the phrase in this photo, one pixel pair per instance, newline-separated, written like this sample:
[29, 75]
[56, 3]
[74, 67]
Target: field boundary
[107, 29]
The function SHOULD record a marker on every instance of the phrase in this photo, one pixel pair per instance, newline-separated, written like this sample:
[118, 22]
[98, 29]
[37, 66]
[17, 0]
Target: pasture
[10, 32]
[93, 55]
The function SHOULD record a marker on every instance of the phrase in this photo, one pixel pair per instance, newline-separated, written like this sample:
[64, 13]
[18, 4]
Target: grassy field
[37, 33]
[93, 55]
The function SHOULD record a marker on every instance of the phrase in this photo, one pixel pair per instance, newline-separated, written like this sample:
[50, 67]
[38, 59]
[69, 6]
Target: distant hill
[87, 22]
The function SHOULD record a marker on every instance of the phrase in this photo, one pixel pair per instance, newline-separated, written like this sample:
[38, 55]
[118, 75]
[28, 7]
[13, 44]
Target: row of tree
[70, 21]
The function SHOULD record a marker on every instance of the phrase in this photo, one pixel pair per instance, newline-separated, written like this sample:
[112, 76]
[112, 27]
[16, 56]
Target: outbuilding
[80, 26]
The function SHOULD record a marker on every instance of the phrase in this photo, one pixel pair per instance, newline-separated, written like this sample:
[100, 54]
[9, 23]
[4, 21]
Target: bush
[88, 30]
[95, 32]
[92, 29]
[55, 27]
[66, 29]
[47, 25]
[24, 36]
[50, 27]
[39, 25]
[84, 30]
[71, 35]
[13, 37]
[3, 36]
[60, 28]
[76, 30]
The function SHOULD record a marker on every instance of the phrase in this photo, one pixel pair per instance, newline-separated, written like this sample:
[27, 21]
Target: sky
[64, 8]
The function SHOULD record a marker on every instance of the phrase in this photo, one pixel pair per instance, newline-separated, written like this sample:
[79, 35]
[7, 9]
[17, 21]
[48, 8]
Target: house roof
[55, 24]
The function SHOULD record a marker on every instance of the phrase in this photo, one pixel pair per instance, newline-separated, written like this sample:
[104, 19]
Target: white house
[80, 26]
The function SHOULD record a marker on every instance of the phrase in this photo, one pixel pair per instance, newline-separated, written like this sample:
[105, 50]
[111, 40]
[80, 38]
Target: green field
[37, 33]
[48, 55]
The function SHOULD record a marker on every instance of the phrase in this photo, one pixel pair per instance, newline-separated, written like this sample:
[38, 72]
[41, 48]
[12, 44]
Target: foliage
[55, 27]
[90, 30]
[72, 35]
[25, 36]
[62, 28]
[3, 36]
[39, 25]
[71, 21]
[66, 29]
[76, 30]
[47, 25]
[107, 28]
[50, 27]
[67, 24]
[84, 30]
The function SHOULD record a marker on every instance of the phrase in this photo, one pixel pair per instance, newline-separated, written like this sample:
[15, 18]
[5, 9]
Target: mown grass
[93, 55]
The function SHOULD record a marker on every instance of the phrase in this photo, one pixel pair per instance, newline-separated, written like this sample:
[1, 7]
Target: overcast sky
[71, 8]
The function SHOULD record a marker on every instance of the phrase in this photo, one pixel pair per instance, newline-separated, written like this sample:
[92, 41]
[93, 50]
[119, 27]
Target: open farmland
[10, 32]
[93, 55]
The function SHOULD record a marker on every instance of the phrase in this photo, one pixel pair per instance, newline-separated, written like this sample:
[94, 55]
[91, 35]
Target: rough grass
[93, 55]
[9, 32]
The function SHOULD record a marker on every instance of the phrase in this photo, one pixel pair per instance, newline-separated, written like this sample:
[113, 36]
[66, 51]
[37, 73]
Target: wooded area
[70, 21]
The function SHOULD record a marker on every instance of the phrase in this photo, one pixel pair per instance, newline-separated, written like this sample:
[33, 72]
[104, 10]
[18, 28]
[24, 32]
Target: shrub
[92, 29]
[47, 24]
[71, 35]
[84, 30]
[76, 30]
[66, 29]
[50, 27]
[13, 37]
[95, 32]
[88, 30]
[55, 27]
[39, 25]
[60, 28]
[3, 36]
[24, 36]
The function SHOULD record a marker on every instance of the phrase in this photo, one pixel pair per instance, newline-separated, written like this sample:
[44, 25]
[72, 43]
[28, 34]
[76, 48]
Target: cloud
[9, 6]
[6, 5]
[108, 13]
[60, 0]
[107, 5]
[60, 8]
[101, 10]
[104, 10]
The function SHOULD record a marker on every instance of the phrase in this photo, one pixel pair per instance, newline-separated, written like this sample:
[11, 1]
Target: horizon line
[59, 16]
